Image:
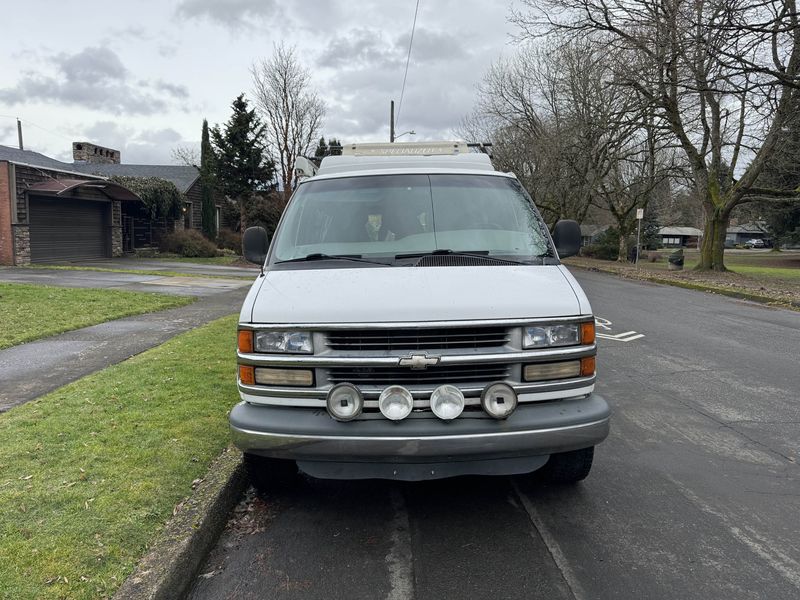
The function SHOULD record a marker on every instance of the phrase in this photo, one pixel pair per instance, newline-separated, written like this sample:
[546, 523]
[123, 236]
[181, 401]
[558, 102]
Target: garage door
[67, 229]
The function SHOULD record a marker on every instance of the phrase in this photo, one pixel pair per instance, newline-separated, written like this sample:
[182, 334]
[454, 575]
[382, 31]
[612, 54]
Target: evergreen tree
[207, 184]
[332, 148]
[242, 163]
[650, 239]
[322, 149]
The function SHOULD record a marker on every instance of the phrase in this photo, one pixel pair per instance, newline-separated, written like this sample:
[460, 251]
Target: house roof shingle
[182, 176]
[36, 159]
[680, 231]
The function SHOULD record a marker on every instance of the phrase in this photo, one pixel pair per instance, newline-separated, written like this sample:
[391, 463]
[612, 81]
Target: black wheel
[270, 474]
[568, 467]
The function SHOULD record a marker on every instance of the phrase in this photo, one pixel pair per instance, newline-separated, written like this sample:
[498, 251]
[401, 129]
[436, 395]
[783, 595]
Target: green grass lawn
[91, 472]
[772, 265]
[214, 260]
[29, 312]
[153, 272]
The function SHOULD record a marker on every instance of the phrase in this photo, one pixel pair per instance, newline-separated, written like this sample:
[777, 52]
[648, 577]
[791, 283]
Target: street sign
[639, 217]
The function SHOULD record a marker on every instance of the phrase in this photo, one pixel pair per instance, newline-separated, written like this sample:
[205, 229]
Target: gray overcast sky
[140, 76]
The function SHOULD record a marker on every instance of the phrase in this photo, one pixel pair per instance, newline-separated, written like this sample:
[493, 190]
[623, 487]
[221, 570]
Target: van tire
[269, 475]
[569, 467]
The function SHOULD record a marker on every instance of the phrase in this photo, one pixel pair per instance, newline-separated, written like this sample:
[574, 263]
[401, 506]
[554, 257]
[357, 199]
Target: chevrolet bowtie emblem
[419, 362]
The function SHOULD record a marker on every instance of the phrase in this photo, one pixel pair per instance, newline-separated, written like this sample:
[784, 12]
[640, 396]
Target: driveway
[200, 280]
[63, 358]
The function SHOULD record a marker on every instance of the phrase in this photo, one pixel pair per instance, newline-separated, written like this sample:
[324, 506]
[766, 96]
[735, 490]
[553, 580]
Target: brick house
[56, 211]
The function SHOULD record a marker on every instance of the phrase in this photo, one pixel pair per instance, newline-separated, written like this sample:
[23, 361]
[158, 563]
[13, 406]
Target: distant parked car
[755, 243]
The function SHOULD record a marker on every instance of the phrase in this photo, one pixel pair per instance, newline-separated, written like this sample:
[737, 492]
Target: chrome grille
[453, 374]
[418, 339]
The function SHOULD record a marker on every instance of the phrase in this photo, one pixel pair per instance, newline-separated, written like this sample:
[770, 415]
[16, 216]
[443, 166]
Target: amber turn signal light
[587, 333]
[247, 375]
[245, 340]
[587, 366]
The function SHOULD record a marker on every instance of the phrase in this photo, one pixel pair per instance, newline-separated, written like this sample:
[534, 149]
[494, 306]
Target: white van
[413, 321]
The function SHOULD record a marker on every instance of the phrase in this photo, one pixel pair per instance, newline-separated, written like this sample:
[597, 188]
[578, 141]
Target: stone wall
[22, 245]
[116, 229]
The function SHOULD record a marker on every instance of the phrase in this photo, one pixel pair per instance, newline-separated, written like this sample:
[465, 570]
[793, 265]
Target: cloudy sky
[139, 76]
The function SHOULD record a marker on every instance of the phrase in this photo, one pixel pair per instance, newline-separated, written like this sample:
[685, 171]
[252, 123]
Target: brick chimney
[86, 152]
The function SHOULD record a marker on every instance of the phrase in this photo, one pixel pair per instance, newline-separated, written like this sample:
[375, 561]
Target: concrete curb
[168, 569]
[690, 285]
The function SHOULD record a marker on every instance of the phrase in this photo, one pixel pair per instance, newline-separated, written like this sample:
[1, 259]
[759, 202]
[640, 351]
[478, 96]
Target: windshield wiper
[320, 256]
[449, 252]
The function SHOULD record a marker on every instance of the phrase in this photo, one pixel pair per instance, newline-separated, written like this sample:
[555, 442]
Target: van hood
[359, 295]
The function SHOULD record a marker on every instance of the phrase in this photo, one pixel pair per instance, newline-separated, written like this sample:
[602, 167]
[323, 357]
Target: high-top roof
[352, 164]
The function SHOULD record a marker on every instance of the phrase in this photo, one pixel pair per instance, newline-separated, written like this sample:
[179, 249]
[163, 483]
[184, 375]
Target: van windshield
[387, 217]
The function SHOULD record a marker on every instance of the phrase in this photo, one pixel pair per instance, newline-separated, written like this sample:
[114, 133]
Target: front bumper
[307, 434]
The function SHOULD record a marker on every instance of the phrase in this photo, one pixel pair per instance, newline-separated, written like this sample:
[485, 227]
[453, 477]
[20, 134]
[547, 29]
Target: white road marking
[604, 323]
[552, 545]
[398, 560]
[621, 337]
[627, 336]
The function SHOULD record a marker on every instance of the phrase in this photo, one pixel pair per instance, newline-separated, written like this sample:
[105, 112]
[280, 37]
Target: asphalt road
[696, 493]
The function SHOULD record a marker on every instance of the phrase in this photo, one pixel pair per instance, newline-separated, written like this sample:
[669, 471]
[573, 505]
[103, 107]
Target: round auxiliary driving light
[396, 402]
[447, 402]
[345, 402]
[499, 400]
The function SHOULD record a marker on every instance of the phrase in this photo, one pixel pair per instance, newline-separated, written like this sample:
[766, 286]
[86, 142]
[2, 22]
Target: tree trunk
[712, 249]
[623, 247]
[242, 216]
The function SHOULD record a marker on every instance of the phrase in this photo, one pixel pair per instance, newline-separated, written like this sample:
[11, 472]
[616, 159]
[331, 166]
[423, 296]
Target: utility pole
[391, 122]
[19, 134]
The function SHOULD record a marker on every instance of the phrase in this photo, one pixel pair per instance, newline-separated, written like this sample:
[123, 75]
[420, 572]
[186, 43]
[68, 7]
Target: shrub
[605, 248]
[228, 239]
[653, 257]
[189, 243]
[160, 196]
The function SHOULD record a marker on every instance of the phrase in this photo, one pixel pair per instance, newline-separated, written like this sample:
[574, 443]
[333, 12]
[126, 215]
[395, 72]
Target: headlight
[345, 402]
[287, 342]
[548, 336]
[396, 403]
[499, 400]
[447, 402]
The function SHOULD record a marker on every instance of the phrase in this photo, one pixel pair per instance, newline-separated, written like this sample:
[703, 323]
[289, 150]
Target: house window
[671, 241]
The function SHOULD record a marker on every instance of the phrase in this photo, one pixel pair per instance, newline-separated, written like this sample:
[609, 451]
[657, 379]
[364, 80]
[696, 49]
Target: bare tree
[188, 156]
[290, 108]
[721, 75]
[572, 138]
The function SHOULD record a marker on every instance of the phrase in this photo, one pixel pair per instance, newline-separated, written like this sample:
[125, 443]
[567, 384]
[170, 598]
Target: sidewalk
[30, 370]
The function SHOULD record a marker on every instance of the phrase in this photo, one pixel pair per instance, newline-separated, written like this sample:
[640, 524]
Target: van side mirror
[255, 245]
[567, 238]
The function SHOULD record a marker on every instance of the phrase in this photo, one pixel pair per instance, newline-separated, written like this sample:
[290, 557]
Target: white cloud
[93, 78]
[234, 14]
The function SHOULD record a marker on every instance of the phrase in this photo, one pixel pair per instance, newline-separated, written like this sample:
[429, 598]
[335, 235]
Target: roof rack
[406, 149]
[482, 147]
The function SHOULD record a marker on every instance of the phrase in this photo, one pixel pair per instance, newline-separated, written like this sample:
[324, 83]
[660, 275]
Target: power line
[408, 60]
[28, 122]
